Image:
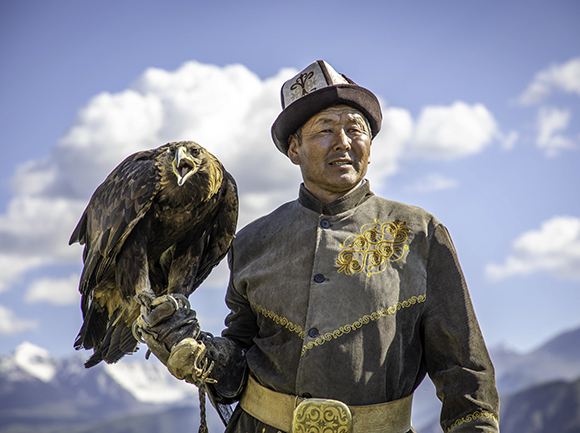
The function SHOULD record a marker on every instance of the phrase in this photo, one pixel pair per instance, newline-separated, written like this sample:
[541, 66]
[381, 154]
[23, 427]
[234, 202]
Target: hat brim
[297, 113]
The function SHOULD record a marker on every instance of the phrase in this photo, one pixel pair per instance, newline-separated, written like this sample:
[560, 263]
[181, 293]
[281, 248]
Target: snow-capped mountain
[43, 394]
[41, 391]
[150, 382]
[29, 360]
[147, 382]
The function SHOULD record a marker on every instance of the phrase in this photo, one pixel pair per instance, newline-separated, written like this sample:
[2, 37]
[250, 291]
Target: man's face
[335, 152]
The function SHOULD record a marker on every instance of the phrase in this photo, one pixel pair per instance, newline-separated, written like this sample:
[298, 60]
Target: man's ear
[293, 148]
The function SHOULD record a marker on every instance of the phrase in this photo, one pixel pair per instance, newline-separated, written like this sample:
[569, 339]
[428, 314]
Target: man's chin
[345, 186]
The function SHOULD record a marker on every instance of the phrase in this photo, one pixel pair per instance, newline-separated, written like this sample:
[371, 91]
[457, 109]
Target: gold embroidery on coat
[472, 417]
[366, 319]
[376, 245]
[283, 321]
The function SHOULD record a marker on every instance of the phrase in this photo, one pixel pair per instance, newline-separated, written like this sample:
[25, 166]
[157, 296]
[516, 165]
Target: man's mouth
[341, 162]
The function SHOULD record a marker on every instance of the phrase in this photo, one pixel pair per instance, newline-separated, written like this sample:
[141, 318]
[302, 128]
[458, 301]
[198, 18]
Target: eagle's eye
[195, 151]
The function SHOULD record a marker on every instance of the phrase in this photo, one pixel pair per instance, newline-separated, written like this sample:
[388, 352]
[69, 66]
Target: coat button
[319, 278]
[313, 332]
[325, 224]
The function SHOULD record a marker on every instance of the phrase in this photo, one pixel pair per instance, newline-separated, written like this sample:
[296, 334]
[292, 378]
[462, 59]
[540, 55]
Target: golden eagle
[159, 224]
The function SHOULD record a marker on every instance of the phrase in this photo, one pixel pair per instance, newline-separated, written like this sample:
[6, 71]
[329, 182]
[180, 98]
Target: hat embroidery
[302, 83]
[373, 248]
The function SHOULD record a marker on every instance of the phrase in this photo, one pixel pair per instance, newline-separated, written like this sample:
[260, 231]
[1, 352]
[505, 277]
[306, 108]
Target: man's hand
[171, 330]
[188, 362]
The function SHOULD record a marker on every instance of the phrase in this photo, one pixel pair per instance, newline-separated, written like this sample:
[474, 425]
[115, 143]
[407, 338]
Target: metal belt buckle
[318, 415]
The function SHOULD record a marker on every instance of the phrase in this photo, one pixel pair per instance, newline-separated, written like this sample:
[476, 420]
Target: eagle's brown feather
[144, 232]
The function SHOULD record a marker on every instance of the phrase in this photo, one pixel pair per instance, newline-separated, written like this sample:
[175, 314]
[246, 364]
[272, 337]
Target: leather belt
[283, 411]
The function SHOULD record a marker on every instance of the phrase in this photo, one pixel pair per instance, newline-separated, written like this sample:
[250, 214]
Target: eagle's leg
[184, 268]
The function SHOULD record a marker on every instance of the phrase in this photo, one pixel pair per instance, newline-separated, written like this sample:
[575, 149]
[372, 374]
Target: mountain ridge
[555, 360]
[43, 394]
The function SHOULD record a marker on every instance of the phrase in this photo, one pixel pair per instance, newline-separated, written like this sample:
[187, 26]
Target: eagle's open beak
[183, 165]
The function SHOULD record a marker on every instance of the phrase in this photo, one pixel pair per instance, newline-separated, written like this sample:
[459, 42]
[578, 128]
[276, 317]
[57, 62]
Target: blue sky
[481, 103]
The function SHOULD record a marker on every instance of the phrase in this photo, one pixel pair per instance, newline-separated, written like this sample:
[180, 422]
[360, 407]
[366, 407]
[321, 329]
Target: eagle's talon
[136, 333]
[145, 299]
[179, 297]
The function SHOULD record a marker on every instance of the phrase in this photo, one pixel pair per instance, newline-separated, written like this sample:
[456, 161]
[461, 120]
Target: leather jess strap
[277, 410]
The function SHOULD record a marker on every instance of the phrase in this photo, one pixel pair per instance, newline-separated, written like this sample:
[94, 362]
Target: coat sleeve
[241, 322]
[228, 352]
[456, 357]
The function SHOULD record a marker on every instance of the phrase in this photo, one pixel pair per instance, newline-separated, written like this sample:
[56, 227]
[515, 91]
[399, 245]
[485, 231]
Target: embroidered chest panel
[373, 247]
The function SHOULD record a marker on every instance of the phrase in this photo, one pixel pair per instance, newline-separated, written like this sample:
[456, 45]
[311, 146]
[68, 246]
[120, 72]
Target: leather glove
[188, 362]
[171, 331]
[230, 369]
[164, 322]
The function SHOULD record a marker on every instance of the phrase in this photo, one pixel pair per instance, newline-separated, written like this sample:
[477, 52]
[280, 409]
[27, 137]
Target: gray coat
[356, 301]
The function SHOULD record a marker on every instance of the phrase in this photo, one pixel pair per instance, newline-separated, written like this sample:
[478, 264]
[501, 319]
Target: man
[341, 301]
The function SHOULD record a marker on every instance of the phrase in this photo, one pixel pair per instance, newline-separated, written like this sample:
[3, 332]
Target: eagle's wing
[113, 211]
[221, 234]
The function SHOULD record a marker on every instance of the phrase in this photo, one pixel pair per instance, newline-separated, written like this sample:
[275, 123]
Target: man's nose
[342, 141]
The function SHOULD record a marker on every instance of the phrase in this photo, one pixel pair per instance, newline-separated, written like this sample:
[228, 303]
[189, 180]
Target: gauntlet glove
[171, 331]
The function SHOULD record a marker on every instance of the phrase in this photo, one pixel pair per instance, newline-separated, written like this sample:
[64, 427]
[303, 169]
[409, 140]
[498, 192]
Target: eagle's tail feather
[117, 342]
[94, 328]
[122, 343]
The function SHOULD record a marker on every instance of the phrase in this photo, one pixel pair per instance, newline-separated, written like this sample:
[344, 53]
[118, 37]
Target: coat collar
[349, 201]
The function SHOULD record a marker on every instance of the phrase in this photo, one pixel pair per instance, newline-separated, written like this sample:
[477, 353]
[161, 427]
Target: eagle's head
[190, 159]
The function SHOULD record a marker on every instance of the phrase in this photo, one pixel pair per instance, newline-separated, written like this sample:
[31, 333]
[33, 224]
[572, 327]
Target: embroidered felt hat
[318, 87]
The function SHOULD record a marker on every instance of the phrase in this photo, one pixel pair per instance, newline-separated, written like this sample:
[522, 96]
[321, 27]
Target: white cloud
[550, 122]
[452, 132]
[440, 132]
[389, 146]
[34, 232]
[564, 77]
[554, 248]
[56, 291]
[229, 110]
[13, 266]
[11, 324]
[432, 182]
[38, 227]
[107, 130]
